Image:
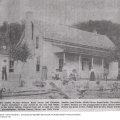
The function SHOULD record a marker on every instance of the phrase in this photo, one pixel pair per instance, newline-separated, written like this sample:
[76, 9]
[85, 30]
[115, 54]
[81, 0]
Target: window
[119, 64]
[106, 64]
[11, 66]
[86, 63]
[37, 42]
[60, 64]
[82, 65]
[38, 64]
[90, 65]
[32, 25]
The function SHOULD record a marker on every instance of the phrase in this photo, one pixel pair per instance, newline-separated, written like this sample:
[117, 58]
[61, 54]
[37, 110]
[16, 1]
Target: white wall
[113, 70]
[50, 59]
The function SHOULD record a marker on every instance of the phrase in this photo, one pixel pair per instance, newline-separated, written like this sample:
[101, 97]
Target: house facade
[65, 48]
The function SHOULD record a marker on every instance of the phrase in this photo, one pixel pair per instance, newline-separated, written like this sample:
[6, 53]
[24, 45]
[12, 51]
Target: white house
[63, 47]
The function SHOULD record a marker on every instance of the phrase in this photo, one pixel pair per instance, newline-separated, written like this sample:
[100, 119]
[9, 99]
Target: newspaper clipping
[59, 55]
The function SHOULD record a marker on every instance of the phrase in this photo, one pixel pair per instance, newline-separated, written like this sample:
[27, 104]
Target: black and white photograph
[59, 49]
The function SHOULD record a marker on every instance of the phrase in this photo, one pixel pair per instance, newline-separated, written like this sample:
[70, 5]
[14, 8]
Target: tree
[15, 31]
[3, 34]
[21, 53]
[103, 27]
[4, 27]
[10, 33]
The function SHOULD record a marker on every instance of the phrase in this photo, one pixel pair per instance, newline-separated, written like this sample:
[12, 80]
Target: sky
[66, 12]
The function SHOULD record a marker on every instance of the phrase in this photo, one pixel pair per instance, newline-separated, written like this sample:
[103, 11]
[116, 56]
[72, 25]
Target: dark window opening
[90, 65]
[37, 42]
[32, 29]
[119, 65]
[86, 61]
[106, 64]
[60, 64]
[37, 68]
[82, 65]
[38, 64]
[11, 66]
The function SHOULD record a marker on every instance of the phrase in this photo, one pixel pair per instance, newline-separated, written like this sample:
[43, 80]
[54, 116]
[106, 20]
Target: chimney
[28, 28]
[29, 16]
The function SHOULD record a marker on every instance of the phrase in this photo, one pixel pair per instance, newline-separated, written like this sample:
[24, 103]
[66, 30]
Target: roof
[72, 35]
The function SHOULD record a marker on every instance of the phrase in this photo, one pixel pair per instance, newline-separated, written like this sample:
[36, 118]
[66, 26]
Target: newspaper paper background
[63, 54]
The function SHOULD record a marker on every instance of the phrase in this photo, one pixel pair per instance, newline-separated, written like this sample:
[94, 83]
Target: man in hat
[4, 70]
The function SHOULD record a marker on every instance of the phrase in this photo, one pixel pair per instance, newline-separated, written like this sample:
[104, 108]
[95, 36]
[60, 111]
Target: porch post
[64, 61]
[80, 65]
[102, 67]
[92, 62]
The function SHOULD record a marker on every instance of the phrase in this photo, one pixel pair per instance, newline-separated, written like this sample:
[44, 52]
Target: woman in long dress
[92, 75]
[44, 73]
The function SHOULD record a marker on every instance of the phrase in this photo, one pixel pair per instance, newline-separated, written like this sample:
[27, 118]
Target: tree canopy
[15, 32]
[10, 33]
[21, 53]
[103, 27]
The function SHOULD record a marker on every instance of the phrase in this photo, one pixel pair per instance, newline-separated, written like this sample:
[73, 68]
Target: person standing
[92, 75]
[106, 72]
[4, 70]
[57, 74]
[44, 73]
[73, 75]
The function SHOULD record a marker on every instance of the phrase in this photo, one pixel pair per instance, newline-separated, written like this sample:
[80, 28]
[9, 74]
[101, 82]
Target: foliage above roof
[103, 27]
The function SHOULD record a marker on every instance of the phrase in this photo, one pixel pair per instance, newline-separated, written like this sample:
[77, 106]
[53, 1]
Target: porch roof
[84, 51]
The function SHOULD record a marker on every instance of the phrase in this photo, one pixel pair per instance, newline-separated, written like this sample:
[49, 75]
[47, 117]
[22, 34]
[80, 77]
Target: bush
[39, 84]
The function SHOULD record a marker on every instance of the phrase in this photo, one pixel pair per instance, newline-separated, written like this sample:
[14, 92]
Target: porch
[82, 64]
[83, 58]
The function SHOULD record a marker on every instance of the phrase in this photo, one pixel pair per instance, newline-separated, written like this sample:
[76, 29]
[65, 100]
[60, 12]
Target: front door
[85, 68]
